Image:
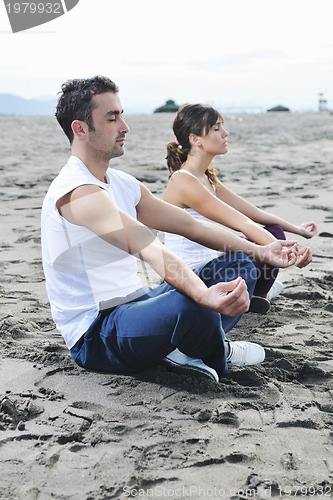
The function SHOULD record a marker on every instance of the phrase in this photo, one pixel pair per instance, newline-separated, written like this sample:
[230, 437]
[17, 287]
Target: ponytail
[176, 156]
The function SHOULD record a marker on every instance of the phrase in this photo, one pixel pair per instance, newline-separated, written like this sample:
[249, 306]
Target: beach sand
[262, 432]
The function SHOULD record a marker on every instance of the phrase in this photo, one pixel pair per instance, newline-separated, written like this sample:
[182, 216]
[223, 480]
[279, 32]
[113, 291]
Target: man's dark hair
[75, 101]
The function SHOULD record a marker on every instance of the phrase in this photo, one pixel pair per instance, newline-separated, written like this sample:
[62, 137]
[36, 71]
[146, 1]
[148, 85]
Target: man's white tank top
[84, 273]
[191, 252]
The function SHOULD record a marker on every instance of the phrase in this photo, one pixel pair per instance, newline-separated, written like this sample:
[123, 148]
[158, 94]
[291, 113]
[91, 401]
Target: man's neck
[96, 167]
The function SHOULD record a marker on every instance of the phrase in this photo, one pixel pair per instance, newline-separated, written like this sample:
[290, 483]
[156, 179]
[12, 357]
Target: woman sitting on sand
[199, 137]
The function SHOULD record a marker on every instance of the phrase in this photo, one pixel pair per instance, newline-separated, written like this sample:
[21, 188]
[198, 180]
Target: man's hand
[280, 253]
[304, 257]
[230, 298]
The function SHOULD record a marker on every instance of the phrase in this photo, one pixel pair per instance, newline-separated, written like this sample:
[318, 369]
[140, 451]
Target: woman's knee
[276, 230]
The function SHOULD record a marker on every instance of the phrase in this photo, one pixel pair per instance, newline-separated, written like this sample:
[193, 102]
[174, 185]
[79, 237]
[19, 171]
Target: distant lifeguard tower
[322, 102]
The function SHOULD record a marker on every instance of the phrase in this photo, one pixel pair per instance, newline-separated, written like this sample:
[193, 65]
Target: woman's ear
[194, 140]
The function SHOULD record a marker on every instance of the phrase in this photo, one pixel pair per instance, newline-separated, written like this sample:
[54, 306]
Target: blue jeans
[139, 334]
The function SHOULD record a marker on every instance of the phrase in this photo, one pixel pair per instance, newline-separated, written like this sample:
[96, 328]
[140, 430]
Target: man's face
[107, 139]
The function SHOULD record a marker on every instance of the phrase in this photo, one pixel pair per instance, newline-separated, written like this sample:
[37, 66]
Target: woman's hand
[308, 229]
[280, 253]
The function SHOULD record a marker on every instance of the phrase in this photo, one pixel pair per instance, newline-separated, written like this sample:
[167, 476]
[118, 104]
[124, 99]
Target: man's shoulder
[73, 167]
[71, 175]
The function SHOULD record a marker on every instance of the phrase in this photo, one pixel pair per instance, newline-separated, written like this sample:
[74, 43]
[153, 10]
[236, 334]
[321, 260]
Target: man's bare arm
[163, 216]
[93, 208]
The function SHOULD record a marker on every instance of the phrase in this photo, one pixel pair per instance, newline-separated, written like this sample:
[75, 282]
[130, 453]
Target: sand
[262, 432]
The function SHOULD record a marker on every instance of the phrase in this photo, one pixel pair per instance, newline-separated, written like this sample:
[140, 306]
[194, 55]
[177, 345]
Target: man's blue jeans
[139, 334]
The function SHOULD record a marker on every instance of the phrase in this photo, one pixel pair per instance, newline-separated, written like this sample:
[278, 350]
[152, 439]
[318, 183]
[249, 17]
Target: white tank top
[191, 252]
[84, 273]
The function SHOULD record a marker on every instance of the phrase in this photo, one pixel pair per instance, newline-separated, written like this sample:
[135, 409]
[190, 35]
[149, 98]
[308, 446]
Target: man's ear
[79, 128]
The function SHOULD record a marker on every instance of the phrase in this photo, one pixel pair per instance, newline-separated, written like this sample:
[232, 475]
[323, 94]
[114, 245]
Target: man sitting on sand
[95, 223]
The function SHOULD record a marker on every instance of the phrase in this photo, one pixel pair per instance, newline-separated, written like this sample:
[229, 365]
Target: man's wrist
[197, 293]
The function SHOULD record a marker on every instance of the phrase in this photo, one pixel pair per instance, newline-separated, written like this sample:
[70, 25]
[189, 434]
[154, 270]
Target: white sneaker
[275, 290]
[245, 353]
[184, 364]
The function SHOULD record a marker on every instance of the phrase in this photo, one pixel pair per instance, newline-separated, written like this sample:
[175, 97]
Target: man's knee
[195, 323]
[229, 267]
[191, 313]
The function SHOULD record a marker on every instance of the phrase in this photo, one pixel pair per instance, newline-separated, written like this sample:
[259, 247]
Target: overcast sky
[234, 53]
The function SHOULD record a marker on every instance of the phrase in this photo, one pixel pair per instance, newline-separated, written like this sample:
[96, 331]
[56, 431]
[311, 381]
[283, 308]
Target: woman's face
[215, 141]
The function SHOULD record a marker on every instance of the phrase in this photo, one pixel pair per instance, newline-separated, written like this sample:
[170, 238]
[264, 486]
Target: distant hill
[14, 105]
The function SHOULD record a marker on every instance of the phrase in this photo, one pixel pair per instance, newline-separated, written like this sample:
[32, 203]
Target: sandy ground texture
[262, 432]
